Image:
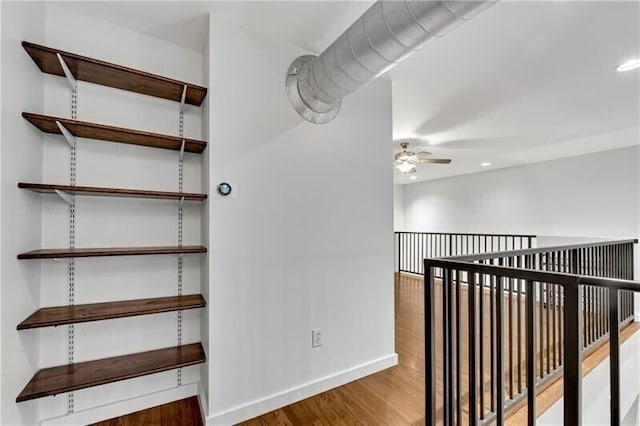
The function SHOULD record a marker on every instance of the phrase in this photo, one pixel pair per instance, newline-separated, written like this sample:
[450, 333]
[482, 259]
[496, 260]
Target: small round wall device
[224, 189]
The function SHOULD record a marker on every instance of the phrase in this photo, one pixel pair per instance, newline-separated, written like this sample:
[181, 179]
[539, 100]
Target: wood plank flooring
[185, 412]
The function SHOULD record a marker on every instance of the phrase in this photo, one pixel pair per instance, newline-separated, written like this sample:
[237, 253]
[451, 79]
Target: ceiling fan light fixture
[404, 156]
[629, 65]
[405, 167]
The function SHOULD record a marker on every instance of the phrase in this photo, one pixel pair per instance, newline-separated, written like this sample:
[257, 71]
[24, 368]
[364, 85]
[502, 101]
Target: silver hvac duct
[387, 33]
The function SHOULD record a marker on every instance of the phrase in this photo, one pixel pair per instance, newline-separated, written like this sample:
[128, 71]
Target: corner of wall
[205, 237]
[21, 154]
[399, 216]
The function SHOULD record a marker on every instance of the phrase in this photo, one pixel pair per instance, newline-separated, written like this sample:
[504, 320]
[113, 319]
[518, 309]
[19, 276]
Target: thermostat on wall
[224, 189]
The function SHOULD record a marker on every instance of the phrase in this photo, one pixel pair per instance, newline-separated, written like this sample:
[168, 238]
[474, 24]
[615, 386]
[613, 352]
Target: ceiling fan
[406, 161]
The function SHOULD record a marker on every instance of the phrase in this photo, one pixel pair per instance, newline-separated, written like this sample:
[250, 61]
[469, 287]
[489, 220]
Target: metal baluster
[541, 326]
[547, 286]
[492, 337]
[446, 354]
[458, 350]
[448, 319]
[519, 328]
[573, 355]
[481, 341]
[429, 346]
[412, 255]
[510, 324]
[614, 351]
[473, 386]
[499, 352]
[531, 353]
[555, 325]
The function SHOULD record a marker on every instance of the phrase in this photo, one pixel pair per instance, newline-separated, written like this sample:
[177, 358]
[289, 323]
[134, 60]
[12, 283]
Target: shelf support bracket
[181, 155]
[181, 202]
[183, 97]
[67, 71]
[71, 139]
[66, 197]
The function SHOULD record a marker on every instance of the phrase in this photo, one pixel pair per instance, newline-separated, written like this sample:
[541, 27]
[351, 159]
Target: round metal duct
[386, 34]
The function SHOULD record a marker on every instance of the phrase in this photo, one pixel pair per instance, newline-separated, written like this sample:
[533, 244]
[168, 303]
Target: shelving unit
[67, 378]
[112, 75]
[84, 129]
[111, 192]
[108, 252]
[74, 314]
[75, 376]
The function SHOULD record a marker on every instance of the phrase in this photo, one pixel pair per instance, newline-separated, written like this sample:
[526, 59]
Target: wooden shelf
[108, 251]
[84, 129]
[112, 75]
[61, 315]
[67, 378]
[111, 192]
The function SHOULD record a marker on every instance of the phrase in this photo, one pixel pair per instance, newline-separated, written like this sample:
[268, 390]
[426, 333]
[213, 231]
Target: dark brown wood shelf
[111, 192]
[112, 75]
[108, 251]
[61, 315]
[67, 378]
[84, 129]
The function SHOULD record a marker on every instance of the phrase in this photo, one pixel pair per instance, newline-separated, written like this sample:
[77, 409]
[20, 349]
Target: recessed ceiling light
[629, 65]
[486, 164]
[413, 177]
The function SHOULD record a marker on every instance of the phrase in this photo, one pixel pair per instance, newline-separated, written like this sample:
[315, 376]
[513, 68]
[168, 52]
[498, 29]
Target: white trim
[120, 408]
[204, 405]
[269, 403]
[636, 317]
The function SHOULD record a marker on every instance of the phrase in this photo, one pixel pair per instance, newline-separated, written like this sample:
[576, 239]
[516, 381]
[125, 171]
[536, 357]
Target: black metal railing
[498, 324]
[413, 247]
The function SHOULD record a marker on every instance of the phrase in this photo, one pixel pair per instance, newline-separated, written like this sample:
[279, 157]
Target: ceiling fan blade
[433, 160]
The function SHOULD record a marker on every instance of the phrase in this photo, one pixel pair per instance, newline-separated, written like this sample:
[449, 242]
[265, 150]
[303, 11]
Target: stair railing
[499, 324]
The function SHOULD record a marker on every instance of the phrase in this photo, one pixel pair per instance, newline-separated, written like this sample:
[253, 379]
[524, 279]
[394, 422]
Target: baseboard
[295, 394]
[204, 406]
[120, 408]
[636, 317]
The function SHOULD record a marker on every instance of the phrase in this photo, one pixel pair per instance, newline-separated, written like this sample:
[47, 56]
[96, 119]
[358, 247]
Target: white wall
[35, 221]
[205, 219]
[593, 195]
[305, 242]
[22, 156]
[398, 207]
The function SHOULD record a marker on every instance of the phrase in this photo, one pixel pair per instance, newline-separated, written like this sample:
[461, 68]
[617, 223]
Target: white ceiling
[522, 82]
[311, 25]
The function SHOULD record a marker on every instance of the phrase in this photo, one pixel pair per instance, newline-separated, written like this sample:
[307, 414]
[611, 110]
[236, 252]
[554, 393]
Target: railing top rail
[620, 284]
[532, 274]
[483, 234]
[504, 271]
[523, 252]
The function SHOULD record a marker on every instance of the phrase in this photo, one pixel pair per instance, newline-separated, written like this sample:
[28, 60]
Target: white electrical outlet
[316, 337]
